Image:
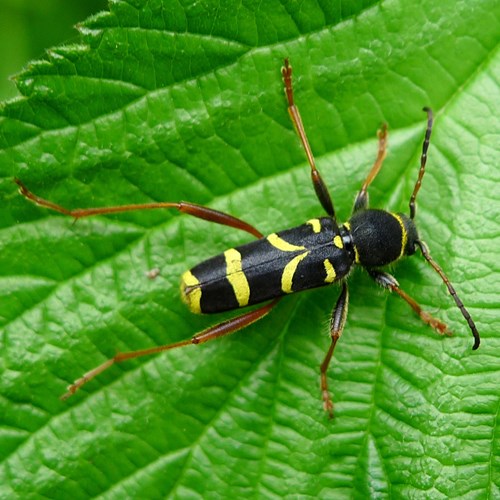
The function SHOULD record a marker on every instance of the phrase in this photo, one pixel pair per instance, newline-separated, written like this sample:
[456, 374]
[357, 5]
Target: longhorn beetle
[314, 254]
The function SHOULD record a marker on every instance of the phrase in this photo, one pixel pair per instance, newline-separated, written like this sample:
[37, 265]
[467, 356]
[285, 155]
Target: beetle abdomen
[307, 256]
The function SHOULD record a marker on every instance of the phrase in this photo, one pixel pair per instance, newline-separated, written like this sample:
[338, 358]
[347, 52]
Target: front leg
[389, 282]
[337, 323]
[361, 201]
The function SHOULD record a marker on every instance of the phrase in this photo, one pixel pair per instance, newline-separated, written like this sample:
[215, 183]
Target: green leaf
[163, 101]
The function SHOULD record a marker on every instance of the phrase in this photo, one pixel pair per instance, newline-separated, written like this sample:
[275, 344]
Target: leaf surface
[163, 101]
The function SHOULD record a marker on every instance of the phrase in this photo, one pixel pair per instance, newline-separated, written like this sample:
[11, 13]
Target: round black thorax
[381, 237]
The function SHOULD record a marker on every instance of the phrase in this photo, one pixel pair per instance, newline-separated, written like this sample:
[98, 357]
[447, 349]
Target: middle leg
[337, 324]
[318, 183]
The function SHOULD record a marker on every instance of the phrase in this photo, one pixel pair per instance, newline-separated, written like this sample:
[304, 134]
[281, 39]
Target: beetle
[317, 253]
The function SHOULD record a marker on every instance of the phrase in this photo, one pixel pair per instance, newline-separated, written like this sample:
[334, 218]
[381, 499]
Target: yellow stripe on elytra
[404, 234]
[191, 291]
[356, 253]
[316, 225]
[289, 271]
[337, 241]
[283, 245]
[236, 276]
[330, 271]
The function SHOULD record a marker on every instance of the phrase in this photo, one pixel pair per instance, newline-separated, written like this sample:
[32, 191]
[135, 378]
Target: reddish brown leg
[361, 201]
[337, 323]
[199, 211]
[212, 333]
[318, 183]
[388, 281]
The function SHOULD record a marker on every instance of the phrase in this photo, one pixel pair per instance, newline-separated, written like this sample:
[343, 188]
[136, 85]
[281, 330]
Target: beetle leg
[389, 282]
[318, 183]
[225, 328]
[362, 198]
[208, 214]
[337, 323]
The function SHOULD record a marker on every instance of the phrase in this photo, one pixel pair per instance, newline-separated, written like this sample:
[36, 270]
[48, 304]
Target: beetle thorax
[381, 237]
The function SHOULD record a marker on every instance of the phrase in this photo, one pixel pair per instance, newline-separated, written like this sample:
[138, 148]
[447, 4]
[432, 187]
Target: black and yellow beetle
[317, 253]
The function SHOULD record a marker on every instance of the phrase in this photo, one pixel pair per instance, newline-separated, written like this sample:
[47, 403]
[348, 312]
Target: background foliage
[27, 28]
[160, 100]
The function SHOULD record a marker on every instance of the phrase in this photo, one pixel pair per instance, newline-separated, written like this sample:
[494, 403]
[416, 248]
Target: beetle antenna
[423, 160]
[453, 293]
